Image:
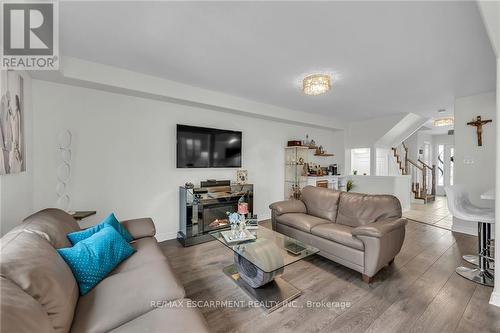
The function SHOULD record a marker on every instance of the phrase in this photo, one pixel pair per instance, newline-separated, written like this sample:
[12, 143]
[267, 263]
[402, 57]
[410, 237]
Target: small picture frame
[241, 176]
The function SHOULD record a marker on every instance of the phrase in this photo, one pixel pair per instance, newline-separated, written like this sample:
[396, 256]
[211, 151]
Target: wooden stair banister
[415, 164]
[406, 159]
[419, 189]
[424, 164]
[433, 175]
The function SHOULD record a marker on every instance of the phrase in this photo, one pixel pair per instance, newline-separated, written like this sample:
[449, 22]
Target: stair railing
[419, 171]
[407, 160]
[429, 170]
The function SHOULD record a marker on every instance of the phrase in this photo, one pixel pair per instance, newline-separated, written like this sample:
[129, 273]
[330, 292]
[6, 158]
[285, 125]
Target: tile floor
[435, 213]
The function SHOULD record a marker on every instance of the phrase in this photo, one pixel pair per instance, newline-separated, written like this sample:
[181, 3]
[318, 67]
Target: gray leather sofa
[40, 294]
[363, 232]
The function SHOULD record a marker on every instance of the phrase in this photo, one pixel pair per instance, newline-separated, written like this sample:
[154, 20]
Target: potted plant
[349, 185]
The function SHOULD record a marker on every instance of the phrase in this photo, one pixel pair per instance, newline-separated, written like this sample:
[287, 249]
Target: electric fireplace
[215, 216]
[205, 209]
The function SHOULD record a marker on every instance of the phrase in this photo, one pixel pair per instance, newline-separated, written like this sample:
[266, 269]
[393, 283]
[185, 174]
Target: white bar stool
[461, 207]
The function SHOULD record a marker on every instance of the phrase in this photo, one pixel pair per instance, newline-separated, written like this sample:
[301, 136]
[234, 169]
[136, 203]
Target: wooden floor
[419, 293]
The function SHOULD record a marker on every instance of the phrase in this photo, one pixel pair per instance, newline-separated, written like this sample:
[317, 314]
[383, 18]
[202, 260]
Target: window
[452, 154]
[360, 161]
[440, 165]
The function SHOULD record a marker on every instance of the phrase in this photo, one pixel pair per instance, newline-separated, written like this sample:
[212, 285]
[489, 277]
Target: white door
[444, 167]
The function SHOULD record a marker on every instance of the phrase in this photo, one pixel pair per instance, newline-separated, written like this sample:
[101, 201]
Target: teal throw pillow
[93, 258]
[111, 220]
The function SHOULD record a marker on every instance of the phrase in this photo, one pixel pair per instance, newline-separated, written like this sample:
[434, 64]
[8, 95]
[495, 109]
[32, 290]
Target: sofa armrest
[288, 206]
[382, 240]
[380, 228]
[140, 228]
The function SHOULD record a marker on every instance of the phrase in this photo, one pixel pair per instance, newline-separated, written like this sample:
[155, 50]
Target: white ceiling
[389, 57]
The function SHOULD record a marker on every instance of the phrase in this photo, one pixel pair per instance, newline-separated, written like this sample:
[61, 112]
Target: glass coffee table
[258, 265]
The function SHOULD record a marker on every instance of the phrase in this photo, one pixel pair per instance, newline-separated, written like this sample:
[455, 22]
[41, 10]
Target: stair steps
[419, 191]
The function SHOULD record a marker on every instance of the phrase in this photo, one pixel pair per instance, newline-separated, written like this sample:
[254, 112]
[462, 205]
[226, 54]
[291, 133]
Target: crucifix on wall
[479, 128]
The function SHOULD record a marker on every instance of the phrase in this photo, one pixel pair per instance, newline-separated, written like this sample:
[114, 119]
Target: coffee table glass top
[271, 250]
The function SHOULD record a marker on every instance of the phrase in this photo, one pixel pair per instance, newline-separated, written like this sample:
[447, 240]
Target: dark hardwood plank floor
[420, 292]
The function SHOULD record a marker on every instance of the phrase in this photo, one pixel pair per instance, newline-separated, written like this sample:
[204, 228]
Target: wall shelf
[324, 155]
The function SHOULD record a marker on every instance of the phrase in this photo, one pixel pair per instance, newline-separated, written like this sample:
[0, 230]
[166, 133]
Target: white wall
[383, 161]
[365, 133]
[416, 142]
[479, 176]
[124, 152]
[16, 190]
[490, 10]
[444, 139]
[399, 186]
[495, 295]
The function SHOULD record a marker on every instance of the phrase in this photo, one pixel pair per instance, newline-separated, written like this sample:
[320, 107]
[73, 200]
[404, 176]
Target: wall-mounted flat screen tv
[201, 147]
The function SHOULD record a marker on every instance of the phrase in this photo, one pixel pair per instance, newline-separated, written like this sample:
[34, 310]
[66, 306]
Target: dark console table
[204, 209]
[82, 214]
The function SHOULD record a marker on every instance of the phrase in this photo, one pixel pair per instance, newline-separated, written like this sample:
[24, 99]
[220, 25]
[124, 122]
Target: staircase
[420, 173]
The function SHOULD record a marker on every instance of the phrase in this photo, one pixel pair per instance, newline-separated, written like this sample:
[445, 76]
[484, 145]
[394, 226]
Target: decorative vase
[234, 230]
[242, 227]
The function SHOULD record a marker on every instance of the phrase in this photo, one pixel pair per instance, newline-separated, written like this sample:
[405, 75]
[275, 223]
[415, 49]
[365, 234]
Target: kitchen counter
[337, 182]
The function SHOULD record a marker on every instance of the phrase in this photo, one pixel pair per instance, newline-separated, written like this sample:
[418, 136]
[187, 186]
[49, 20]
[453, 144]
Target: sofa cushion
[139, 228]
[148, 251]
[321, 202]
[93, 258]
[300, 221]
[124, 296]
[179, 317]
[30, 261]
[338, 233]
[110, 220]
[21, 313]
[357, 209]
[52, 224]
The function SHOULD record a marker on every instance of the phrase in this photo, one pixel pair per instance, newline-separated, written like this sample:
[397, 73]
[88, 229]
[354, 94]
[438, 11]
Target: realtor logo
[30, 35]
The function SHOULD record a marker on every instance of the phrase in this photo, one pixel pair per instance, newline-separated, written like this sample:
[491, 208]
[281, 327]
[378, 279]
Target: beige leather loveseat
[363, 232]
[40, 294]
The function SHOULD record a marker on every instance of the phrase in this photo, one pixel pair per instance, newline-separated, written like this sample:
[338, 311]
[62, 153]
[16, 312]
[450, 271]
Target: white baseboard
[263, 217]
[495, 298]
[163, 236]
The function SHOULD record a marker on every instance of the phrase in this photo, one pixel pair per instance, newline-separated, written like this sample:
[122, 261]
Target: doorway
[444, 166]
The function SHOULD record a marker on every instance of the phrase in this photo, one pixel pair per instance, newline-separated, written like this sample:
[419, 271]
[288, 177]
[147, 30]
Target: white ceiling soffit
[108, 78]
[387, 57]
[402, 130]
[490, 11]
[385, 132]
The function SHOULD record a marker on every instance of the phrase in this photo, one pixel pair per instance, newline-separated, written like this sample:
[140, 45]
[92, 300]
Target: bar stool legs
[481, 274]
[473, 259]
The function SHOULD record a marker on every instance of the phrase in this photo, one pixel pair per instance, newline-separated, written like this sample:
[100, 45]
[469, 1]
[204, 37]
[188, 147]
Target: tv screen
[201, 147]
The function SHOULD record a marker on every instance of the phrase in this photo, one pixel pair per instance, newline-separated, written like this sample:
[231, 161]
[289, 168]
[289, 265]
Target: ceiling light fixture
[316, 84]
[443, 122]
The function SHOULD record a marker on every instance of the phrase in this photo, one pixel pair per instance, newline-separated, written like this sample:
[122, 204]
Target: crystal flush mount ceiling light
[316, 84]
[443, 122]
